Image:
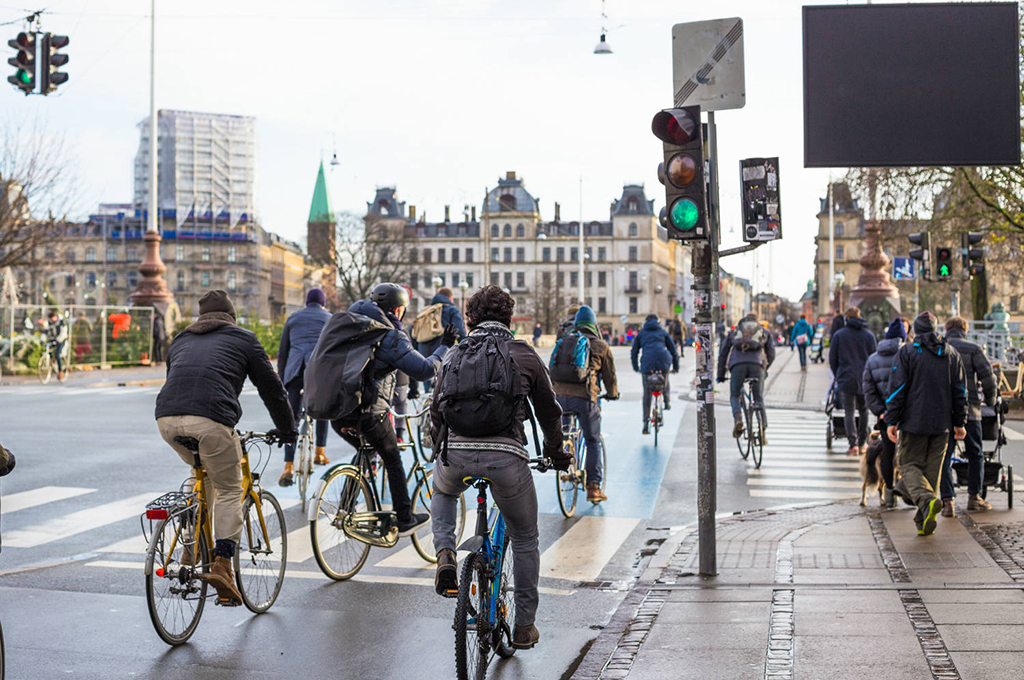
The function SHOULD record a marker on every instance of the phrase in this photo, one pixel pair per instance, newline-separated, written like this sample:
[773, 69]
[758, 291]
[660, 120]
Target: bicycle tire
[343, 490]
[305, 466]
[1, 653]
[757, 438]
[656, 417]
[604, 465]
[1009, 487]
[472, 651]
[829, 434]
[741, 441]
[44, 368]
[259, 569]
[501, 637]
[160, 588]
[423, 539]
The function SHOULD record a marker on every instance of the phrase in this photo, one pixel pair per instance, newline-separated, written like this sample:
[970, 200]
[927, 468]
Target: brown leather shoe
[320, 457]
[947, 509]
[286, 477]
[525, 637]
[978, 504]
[222, 578]
[594, 493]
[446, 580]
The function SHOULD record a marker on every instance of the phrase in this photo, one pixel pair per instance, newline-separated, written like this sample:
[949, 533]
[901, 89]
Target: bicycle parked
[751, 441]
[570, 482]
[181, 547]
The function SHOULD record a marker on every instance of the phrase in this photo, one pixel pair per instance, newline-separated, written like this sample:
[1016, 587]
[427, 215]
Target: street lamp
[462, 287]
[437, 281]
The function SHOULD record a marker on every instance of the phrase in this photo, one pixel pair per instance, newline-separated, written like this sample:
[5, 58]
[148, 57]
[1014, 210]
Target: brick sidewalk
[827, 591]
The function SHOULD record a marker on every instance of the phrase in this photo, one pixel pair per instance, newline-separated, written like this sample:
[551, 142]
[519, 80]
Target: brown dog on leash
[871, 470]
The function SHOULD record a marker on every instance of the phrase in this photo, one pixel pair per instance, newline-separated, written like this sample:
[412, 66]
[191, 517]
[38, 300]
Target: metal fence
[97, 336]
[995, 339]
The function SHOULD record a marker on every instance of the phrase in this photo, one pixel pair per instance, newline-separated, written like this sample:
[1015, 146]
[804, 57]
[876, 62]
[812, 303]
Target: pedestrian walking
[977, 372]
[678, 333]
[159, 337]
[847, 354]
[927, 395]
[877, 370]
[800, 337]
[538, 331]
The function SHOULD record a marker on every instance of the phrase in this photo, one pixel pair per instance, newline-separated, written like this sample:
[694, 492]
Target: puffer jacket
[876, 374]
[977, 369]
[849, 351]
[927, 394]
[654, 348]
[801, 328]
[298, 339]
[450, 314]
[395, 352]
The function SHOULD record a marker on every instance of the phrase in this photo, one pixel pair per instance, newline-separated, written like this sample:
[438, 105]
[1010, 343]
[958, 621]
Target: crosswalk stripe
[805, 464]
[581, 553]
[766, 472]
[77, 522]
[770, 454]
[800, 493]
[802, 483]
[1013, 435]
[44, 494]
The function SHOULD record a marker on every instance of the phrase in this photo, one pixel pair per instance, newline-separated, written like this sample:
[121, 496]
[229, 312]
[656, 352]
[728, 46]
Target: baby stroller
[993, 439]
[836, 427]
[818, 346]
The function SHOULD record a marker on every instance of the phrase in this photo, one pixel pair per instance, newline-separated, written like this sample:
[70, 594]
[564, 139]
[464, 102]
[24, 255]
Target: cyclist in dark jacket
[747, 353]
[876, 389]
[926, 395]
[656, 352]
[450, 315]
[847, 353]
[978, 372]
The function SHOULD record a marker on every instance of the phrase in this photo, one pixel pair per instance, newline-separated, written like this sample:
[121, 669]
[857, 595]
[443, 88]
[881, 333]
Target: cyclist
[298, 339]
[656, 352]
[394, 353]
[746, 353]
[6, 461]
[57, 338]
[577, 387]
[207, 365]
[502, 457]
[439, 314]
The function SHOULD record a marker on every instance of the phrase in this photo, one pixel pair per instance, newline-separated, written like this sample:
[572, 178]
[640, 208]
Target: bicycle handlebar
[541, 464]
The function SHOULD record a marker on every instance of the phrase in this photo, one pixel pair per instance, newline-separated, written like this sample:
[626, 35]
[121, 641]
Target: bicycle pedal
[224, 602]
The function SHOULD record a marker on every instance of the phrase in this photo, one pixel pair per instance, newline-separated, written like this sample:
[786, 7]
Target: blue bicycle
[485, 610]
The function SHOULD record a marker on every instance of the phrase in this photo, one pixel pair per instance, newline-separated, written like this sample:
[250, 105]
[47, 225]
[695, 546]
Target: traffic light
[943, 262]
[971, 259]
[24, 61]
[50, 61]
[682, 172]
[923, 239]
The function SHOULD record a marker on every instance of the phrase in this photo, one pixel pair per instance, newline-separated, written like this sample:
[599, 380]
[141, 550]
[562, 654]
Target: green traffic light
[684, 214]
[944, 270]
[25, 77]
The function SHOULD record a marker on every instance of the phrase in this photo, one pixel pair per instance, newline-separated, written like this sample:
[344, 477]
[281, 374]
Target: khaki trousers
[220, 452]
[920, 459]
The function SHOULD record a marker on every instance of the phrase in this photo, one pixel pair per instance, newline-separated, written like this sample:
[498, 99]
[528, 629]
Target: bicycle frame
[489, 541]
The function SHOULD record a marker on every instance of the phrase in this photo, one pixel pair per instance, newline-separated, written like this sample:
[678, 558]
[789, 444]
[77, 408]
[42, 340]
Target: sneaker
[889, 499]
[286, 478]
[927, 527]
[853, 451]
[947, 509]
[446, 579]
[410, 526]
[594, 493]
[737, 429]
[525, 637]
[976, 503]
[222, 579]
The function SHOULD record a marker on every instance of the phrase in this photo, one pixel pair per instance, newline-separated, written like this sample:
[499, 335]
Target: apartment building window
[602, 306]
[111, 254]
[574, 254]
[132, 254]
[508, 254]
[840, 251]
[426, 255]
[232, 281]
[508, 279]
[455, 278]
[232, 253]
[545, 254]
[602, 254]
[469, 279]
[1014, 303]
[90, 279]
[206, 280]
[632, 253]
[460, 230]
[634, 230]
[633, 281]
[589, 302]
[560, 254]
[495, 278]
[414, 280]
[839, 229]
[50, 254]
[68, 256]
[632, 305]
[181, 280]
[111, 279]
[520, 280]
[520, 231]
[90, 254]
[520, 254]
[69, 280]
[441, 254]
[469, 254]
[588, 279]
[508, 231]
[602, 279]
[455, 254]
[133, 280]
[179, 253]
[494, 255]
[206, 258]
[574, 279]
[495, 232]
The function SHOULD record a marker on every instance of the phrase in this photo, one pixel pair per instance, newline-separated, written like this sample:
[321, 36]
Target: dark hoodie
[848, 353]
[927, 393]
[206, 369]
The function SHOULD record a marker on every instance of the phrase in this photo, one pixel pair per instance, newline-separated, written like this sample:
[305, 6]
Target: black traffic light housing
[923, 239]
[24, 61]
[943, 263]
[972, 260]
[50, 61]
[685, 214]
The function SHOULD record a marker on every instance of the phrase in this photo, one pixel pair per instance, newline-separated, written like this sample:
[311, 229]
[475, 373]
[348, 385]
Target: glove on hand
[450, 336]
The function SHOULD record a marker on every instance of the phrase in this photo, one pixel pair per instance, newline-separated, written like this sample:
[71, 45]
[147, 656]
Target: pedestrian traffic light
[24, 61]
[923, 239]
[682, 172]
[50, 61]
[943, 262]
[971, 259]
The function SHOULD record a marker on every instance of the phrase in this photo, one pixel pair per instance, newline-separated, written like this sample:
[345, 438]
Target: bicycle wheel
[259, 565]
[344, 492]
[501, 638]
[423, 539]
[756, 436]
[604, 465]
[656, 417]
[472, 639]
[1, 653]
[741, 442]
[304, 468]
[567, 485]
[45, 368]
[175, 595]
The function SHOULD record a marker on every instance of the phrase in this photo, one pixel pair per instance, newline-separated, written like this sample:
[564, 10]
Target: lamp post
[462, 287]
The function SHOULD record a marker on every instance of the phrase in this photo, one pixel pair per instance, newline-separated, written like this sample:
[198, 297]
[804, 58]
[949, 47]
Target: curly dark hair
[490, 303]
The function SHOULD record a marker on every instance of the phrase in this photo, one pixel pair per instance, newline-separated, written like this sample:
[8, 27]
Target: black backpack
[339, 377]
[480, 388]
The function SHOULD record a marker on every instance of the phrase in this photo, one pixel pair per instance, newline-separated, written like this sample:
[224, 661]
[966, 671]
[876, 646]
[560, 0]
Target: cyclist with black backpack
[483, 394]
[579, 361]
[746, 353]
[653, 355]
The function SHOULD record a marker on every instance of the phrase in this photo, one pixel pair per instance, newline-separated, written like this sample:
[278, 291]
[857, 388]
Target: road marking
[581, 553]
[136, 545]
[77, 522]
[805, 464]
[793, 481]
[797, 493]
[825, 474]
[44, 494]
[1013, 435]
[787, 455]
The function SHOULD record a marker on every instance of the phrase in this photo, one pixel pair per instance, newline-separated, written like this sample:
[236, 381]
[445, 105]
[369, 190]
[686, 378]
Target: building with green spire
[320, 236]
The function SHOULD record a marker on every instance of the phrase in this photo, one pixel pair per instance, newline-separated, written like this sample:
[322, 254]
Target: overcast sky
[437, 97]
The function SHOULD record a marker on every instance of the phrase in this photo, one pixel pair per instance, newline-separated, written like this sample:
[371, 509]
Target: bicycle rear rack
[169, 504]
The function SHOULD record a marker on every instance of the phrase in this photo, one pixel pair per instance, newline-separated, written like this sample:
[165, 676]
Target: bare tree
[369, 252]
[545, 302]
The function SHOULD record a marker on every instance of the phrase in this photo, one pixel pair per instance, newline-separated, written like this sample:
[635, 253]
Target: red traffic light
[675, 126]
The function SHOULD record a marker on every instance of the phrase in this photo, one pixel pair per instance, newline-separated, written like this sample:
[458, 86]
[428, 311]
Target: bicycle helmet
[389, 296]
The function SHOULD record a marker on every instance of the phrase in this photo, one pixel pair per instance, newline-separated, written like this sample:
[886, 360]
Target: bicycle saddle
[190, 443]
[473, 480]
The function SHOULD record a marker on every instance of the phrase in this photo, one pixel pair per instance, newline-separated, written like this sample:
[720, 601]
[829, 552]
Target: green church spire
[320, 209]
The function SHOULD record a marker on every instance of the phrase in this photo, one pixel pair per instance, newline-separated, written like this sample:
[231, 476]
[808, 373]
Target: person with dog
[877, 370]
[847, 355]
[927, 394]
[978, 371]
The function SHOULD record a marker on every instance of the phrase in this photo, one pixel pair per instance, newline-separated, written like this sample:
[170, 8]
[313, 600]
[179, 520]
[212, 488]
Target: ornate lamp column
[875, 294]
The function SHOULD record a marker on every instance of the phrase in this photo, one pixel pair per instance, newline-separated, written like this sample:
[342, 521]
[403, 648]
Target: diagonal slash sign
[701, 76]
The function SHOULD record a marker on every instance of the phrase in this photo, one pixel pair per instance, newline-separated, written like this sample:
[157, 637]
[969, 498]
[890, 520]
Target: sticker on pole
[707, 64]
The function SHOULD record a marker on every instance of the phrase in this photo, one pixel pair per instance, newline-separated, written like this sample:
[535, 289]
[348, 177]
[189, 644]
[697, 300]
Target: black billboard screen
[922, 84]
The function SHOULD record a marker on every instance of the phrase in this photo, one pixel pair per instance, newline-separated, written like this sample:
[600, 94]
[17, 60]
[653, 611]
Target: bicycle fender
[472, 544]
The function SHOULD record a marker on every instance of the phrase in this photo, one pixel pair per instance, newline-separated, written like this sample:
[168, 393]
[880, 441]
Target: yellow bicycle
[181, 548]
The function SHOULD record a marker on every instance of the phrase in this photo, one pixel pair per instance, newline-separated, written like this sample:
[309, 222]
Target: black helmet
[389, 296]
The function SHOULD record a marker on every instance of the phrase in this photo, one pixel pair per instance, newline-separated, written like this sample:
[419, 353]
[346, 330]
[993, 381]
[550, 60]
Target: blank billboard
[922, 84]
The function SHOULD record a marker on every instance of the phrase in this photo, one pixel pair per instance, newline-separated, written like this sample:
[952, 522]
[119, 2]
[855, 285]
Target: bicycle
[348, 515]
[485, 606]
[569, 482]
[657, 379]
[304, 455]
[48, 362]
[181, 547]
[751, 441]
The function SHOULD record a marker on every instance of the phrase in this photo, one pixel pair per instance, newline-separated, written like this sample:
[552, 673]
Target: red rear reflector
[156, 513]
[656, 394]
[160, 572]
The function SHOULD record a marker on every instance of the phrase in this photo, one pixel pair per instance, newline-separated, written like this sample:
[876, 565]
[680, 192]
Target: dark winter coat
[207, 365]
[602, 368]
[449, 314]
[875, 382]
[848, 352]
[7, 461]
[927, 393]
[977, 369]
[298, 339]
[730, 354]
[654, 348]
[395, 351]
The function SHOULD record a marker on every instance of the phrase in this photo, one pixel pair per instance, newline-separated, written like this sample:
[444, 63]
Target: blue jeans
[295, 400]
[803, 354]
[589, 414]
[975, 463]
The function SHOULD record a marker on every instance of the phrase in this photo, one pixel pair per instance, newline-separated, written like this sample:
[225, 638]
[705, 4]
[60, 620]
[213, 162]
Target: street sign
[903, 268]
[678, 309]
[624, 318]
[762, 213]
[780, 319]
[707, 64]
